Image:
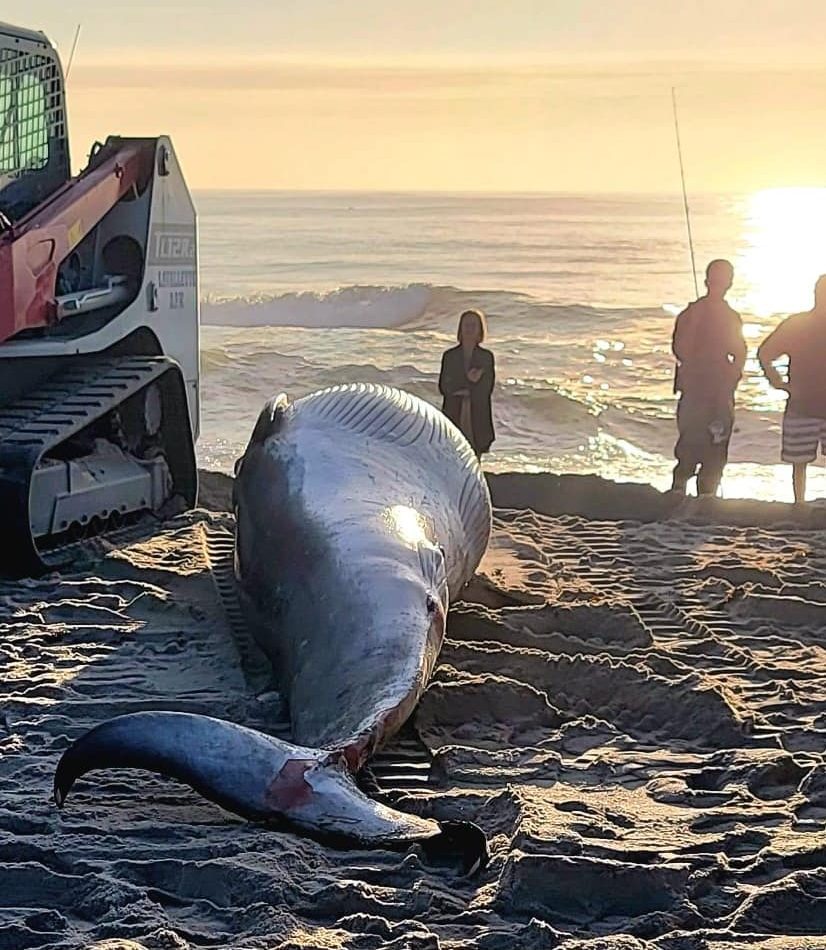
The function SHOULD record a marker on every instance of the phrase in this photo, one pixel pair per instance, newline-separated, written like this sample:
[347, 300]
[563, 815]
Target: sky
[472, 95]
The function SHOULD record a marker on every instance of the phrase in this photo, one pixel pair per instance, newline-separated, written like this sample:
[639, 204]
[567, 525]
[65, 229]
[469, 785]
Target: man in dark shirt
[801, 337]
[711, 352]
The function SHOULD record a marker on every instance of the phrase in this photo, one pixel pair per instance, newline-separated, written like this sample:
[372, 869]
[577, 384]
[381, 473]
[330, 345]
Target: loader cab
[34, 144]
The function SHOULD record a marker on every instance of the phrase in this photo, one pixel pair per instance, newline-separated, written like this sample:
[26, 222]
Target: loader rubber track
[61, 408]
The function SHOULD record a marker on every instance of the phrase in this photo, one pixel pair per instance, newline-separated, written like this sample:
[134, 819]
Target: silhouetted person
[466, 382]
[801, 337]
[711, 352]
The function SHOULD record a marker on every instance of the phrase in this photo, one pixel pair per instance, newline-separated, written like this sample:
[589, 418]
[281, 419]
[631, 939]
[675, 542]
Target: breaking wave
[366, 307]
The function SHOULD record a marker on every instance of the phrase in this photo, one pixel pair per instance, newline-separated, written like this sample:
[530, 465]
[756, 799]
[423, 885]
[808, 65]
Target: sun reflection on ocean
[783, 251]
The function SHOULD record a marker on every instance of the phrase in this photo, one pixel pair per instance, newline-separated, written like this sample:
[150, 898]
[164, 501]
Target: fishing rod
[688, 229]
[685, 193]
[72, 54]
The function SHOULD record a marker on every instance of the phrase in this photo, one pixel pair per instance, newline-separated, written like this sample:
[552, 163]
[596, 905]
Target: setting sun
[783, 250]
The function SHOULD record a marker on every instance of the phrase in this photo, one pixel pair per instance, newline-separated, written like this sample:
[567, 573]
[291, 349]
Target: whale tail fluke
[263, 779]
[269, 421]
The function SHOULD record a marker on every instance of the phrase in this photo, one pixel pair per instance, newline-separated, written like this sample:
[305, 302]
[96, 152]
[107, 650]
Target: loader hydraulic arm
[32, 249]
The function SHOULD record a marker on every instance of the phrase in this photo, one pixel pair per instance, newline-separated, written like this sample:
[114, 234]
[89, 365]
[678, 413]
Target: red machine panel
[32, 250]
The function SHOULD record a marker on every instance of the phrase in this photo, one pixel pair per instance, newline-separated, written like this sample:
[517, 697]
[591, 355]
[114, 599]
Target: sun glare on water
[783, 251]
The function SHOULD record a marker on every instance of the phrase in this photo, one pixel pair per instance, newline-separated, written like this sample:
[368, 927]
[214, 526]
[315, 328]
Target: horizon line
[488, 193]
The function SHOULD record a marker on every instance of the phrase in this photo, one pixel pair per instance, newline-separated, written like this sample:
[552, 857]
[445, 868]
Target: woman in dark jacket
[466, 382]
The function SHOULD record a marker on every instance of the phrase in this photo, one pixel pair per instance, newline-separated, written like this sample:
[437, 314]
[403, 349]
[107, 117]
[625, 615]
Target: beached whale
[359, 510]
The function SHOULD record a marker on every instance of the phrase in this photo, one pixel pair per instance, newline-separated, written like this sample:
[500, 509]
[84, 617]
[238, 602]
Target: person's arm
[738, 349]
[771, 349]
[451, 383]
[487, 376]
[682, 338]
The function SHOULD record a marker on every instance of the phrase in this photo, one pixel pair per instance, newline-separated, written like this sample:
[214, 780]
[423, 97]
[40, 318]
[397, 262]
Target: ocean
[305, 290]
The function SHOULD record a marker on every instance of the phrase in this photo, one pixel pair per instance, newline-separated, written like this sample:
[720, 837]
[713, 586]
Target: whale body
[360, 511]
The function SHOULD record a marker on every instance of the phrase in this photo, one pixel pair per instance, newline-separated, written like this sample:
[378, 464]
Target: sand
[634, 709]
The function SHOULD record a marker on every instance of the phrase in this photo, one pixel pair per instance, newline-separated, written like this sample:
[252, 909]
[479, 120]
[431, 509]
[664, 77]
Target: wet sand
[633, 708]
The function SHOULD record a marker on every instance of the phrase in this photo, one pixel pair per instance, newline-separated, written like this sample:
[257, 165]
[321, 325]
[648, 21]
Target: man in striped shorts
[801, 337]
